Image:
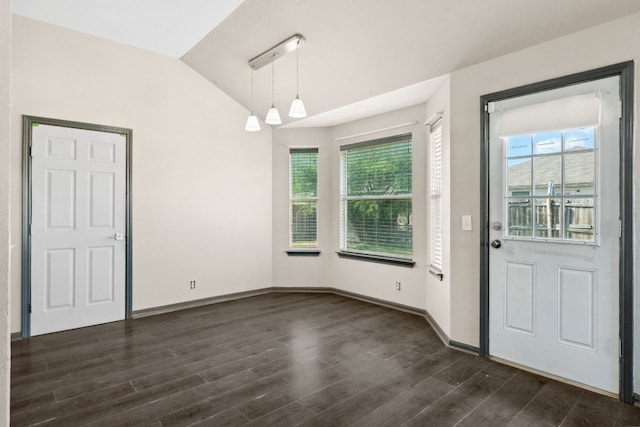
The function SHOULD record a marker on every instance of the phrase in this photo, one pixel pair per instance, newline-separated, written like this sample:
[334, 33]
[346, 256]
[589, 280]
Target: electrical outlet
[192, 284]
[398, 286]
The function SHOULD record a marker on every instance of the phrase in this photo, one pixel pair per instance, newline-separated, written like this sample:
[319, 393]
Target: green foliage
[379, 170]
[304, 173]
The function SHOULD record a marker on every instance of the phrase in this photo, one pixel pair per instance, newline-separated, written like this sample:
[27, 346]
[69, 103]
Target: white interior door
[554, 212]
[77, 228]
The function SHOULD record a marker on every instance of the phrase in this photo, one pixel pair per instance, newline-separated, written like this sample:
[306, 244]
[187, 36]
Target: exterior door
[78, 248]
[555, 228]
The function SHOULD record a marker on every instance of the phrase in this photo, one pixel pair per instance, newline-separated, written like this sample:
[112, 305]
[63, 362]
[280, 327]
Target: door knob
[118, 236]
[496, 244]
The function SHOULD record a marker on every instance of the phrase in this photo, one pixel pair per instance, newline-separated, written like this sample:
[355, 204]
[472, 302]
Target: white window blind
[375, 197]
[303, 200]
[435, 186]
[571, 112]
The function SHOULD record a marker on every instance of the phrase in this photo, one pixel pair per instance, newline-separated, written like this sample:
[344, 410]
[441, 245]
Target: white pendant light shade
[253, 125]
[297, 110]
[273, 116]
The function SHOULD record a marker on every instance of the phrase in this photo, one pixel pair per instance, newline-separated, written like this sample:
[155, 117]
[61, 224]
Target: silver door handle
[118, 236]
[496, 244]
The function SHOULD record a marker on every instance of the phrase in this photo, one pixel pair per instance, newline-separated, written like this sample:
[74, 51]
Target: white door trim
[625, 71]
[28, 122]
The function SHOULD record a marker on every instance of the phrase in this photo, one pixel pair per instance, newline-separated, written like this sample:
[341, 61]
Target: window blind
[435, 186]
[571, 112]
[376, 201]
[303, 201]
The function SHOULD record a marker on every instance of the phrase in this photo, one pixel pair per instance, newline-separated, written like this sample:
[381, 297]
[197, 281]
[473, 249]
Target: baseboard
[198, 303]
[434, 325]
[464, 347]
[137, 314]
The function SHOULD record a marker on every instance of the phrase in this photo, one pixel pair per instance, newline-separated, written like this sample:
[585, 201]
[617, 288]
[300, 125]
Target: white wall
[373, 279]
[301, 271]
[201, 184]
[419, 289]
[595, 47]
[5, 198]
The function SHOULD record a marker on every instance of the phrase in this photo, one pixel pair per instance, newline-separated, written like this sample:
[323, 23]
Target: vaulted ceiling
[361, 57]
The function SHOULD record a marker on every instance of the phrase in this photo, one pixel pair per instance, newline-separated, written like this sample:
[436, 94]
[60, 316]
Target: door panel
[554, 188]
[101, 280]
[78, 209]
[520, 297]
[60, 278]
[576, 309]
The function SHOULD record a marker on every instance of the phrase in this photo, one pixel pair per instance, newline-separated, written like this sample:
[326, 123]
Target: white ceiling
[168, 27]
[361, 57]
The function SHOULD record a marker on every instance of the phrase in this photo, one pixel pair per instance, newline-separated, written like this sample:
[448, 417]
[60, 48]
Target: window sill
[303, 252]
[436, 272]
[403, 262]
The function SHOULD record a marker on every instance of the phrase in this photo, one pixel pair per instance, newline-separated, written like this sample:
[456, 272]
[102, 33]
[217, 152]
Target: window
[551, 185]
[375, 197]
[435, 190]
[303, 198]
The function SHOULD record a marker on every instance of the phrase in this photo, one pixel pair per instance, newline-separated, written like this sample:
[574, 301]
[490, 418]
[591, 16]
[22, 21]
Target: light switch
[466, 223]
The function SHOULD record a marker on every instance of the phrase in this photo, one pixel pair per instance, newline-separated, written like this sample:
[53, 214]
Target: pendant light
[297, 110]
[273, 116]
[252, 125]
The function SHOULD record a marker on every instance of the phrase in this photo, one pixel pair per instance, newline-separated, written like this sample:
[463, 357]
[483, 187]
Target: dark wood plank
[550, 406]
[282, 359]
[289, 415]
[503, 405]
[592, 410]
[406, 405]
[454, 406]
[628, 416]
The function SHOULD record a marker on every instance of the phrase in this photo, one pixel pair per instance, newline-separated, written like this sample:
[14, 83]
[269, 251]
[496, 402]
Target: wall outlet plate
[466, 223]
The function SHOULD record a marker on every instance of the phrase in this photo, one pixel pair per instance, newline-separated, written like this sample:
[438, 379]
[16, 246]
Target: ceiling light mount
[291, 44]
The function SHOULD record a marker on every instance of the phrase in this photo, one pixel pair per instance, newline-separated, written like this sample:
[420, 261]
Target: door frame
[624, 70]
[27, 124]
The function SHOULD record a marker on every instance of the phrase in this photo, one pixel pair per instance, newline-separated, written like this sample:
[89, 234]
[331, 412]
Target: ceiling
[167, 27]
[360, 58]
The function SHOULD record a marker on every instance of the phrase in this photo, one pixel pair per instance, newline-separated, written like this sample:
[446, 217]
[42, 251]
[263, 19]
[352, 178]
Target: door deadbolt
[495, 225]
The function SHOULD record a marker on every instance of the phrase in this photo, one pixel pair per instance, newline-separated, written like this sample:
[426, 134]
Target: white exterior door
[554, 212]
[77, 228]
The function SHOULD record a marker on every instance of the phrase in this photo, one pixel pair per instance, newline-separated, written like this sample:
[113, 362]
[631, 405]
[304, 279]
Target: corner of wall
[5, 209]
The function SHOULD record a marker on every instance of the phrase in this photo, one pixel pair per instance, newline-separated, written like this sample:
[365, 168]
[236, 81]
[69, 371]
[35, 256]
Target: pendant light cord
[273, 91]
[297, 69]
[251, 99]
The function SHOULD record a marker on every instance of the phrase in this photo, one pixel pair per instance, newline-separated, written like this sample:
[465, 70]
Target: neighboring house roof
[549, 168]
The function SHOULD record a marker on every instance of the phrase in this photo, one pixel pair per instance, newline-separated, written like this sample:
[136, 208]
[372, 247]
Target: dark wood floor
[283, 359]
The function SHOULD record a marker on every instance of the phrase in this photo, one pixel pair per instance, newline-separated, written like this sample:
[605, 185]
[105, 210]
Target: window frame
[383, 257]
[297, 250]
